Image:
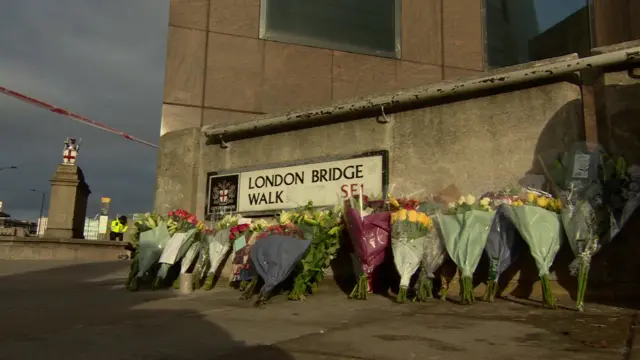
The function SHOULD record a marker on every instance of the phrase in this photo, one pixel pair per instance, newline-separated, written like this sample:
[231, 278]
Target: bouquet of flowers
[152, 243]
[288, 230]
[323, 227]
[578, 177]
[464, 229]
[369, 233]
[622, 191]
[409, 230]
[183, 226]
[433, 256]
[242, 239]
[191, 256]
[504, 243]
[274, 257]
[536, 218]
[148, 222]
[220, 244]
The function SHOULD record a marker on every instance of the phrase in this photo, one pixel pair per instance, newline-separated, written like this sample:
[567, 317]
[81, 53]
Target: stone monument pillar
[68, 201]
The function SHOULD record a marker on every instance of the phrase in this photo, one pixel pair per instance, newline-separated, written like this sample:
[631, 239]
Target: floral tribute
[536, 217]
[409, 230]
[464, 229]
[369, 230]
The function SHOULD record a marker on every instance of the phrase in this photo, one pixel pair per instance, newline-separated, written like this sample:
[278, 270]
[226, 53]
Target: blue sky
[101, 58]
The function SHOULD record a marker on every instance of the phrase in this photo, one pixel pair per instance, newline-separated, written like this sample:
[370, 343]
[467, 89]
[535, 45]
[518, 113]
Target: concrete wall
[220, 72]
[178, 170]
[14, 248]
[618, 115]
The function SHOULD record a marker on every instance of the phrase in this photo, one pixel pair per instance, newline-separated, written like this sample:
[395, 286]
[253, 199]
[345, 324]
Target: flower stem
[425, 287]
[583, 275]
[208, 283]
[466, 290]
[444, 290]
[547, 296]
[247, 294]
[360, 291]
[402, 295]
[299, 289]
[490, 291]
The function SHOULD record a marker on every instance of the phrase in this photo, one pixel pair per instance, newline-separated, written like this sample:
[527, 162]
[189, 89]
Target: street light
[8, 167]
[41, 207]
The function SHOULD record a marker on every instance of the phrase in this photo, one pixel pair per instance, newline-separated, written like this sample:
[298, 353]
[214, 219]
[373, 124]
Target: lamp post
[41, 207]
[8, 167]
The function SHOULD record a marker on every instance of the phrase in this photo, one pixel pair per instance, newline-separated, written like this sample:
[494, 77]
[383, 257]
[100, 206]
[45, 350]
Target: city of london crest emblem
[224, 193]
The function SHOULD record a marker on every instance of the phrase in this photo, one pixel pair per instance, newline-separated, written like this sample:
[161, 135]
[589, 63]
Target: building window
[362, 26]
[519, 31]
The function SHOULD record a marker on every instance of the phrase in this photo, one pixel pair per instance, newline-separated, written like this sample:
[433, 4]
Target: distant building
[15, 227]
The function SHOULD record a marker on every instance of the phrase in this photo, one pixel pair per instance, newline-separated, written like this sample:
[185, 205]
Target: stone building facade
[226, 63]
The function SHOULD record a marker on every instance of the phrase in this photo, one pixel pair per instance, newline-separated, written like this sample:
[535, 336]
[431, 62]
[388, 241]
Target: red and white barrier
[71, 115]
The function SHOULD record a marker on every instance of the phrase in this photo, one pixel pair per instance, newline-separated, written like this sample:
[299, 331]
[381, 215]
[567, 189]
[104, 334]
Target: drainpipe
[325, 115]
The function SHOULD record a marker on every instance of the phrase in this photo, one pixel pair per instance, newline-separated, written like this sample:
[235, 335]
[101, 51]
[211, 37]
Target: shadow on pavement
[83, 312]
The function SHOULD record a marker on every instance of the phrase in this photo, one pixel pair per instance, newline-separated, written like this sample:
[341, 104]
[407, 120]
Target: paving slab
[82, 311]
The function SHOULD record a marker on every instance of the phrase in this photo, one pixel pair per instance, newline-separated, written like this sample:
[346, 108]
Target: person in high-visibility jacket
[118, 228]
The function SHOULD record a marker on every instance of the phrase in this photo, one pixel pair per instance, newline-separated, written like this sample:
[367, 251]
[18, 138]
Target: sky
[103, 59]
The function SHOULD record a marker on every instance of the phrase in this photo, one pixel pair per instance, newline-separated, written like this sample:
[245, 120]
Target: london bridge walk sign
[325, 183]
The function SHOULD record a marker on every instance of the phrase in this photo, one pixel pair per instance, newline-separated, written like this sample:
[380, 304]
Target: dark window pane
[519, 31]
[367, 26]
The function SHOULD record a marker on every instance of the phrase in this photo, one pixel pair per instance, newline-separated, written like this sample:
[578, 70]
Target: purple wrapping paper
[370, 237]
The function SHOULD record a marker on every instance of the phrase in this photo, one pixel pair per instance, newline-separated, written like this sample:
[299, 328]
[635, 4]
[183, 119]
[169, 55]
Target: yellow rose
[518, 203]
[423, 219]
[485, 201]
[531, 197]
[394, 217]
[412, 215]
[461, 200]
[451, 205]
[470, 200]
[558, 204]
[543, 202]
[402, 214]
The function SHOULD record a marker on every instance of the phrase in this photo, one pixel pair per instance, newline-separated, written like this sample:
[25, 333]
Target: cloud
[102, 59]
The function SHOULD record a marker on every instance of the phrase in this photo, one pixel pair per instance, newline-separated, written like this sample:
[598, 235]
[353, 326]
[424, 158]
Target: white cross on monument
[69, 157]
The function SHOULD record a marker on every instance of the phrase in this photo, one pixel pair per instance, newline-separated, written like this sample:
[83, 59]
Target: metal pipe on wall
[424, 94]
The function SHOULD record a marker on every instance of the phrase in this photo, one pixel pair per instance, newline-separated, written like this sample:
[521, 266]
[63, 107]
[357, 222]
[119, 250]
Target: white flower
[470, 200]
[285, 217]
[259, 225]
[461, 200]
[451, 205]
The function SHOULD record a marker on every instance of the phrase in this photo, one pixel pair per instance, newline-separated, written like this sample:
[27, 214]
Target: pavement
[70, 310]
